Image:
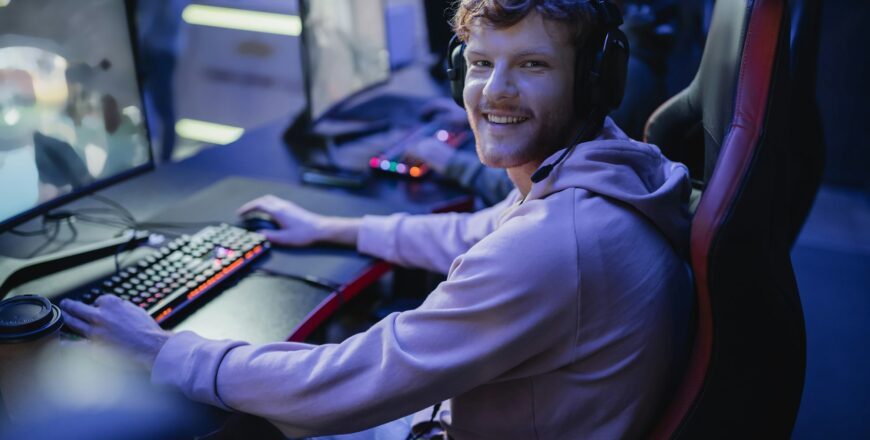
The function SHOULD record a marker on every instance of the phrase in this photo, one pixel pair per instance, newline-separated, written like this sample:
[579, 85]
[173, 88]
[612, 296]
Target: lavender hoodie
[563, 316]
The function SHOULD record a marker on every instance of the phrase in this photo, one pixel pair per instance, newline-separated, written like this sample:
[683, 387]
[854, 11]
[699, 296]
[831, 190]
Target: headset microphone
[582, 135]
[545, 171]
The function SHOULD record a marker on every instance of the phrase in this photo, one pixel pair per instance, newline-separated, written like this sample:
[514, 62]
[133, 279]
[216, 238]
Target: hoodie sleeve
[507, 300]
[429, 242]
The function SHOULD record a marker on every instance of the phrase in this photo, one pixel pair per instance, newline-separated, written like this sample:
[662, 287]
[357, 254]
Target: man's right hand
[432, 152]
[300, 227]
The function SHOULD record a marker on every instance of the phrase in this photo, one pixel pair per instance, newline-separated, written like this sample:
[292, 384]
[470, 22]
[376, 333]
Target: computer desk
[208, 187]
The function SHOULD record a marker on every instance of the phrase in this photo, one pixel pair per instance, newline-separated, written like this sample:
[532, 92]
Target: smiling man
[565, 313]
[519, 92]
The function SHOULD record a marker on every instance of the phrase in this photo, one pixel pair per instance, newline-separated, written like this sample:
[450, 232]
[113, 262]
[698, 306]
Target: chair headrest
[707, 104]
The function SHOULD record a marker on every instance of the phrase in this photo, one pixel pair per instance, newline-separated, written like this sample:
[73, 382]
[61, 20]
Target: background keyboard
[181, 271]
[393, 160]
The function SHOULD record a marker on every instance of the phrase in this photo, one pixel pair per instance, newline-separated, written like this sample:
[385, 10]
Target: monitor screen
[71, 117]
[345, 50]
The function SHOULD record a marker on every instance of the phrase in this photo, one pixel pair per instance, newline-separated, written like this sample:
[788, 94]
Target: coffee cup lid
[27, 317]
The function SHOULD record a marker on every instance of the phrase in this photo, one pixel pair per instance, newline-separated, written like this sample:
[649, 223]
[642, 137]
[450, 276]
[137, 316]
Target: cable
[103, 221]
[51, 236]
[426, 428]
[35, 233]
[309, 279]
[115, 205]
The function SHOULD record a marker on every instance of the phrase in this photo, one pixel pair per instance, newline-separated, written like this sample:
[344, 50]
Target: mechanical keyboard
[181, 271]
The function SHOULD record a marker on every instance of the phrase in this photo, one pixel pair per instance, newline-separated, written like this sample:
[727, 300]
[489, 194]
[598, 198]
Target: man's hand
[300, 227]
[119, 324]
[431, 152]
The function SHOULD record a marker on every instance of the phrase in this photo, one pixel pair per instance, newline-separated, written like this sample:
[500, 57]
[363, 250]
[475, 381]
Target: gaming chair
[736, 127]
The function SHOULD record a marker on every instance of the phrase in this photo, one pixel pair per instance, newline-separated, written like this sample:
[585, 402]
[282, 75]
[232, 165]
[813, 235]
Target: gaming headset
[599, 78]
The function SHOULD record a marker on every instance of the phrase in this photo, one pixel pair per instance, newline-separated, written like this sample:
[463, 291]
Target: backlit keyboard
[181, 271]
[393, 160]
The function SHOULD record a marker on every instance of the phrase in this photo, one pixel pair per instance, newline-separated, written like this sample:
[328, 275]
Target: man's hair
[579, 15]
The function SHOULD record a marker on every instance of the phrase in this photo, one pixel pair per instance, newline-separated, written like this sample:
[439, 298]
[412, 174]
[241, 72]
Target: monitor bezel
[10, 223]
[306, 69]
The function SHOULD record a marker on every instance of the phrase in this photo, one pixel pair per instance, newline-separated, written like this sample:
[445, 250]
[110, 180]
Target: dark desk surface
[258, 308]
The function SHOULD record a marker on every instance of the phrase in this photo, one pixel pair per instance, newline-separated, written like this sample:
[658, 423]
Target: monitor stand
[15, 271]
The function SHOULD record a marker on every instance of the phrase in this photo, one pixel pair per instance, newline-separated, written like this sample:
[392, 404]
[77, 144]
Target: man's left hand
[119, 324]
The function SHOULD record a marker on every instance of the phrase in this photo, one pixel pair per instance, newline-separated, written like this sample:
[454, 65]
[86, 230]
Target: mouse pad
[218, 203]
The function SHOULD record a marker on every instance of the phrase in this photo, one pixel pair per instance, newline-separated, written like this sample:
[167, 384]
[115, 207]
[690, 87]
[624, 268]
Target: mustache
[488, 107]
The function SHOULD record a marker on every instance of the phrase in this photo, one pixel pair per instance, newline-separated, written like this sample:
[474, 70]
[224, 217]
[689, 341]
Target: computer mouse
[258, 221]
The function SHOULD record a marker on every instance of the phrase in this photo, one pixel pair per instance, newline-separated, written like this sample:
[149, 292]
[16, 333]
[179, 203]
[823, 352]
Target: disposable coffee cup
[29, 326]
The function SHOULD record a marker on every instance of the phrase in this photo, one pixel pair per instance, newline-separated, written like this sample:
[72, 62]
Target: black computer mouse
[258, 221]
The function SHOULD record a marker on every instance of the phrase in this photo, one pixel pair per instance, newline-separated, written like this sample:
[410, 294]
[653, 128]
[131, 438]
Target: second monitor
[344, 51]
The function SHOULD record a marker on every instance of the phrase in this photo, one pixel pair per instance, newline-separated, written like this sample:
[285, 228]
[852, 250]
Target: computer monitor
[71, 114]
[344, 50]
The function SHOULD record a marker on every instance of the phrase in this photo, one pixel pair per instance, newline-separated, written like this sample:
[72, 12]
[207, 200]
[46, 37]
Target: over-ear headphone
[599, 78]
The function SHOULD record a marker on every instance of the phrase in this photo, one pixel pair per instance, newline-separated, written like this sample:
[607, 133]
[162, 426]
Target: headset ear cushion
[600, 84]
[456, 70]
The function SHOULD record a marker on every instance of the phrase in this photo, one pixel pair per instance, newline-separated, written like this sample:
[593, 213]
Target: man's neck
[521, 176]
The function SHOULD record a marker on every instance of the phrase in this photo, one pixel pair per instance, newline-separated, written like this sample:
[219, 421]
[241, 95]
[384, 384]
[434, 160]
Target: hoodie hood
[635, 173]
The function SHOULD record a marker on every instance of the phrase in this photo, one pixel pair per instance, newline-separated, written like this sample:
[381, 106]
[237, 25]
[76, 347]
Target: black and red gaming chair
[733, 126]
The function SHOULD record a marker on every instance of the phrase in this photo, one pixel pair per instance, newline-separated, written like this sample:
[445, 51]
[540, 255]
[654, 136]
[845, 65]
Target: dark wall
[843, 91]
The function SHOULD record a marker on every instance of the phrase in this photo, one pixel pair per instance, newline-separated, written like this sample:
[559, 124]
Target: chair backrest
[731, 126]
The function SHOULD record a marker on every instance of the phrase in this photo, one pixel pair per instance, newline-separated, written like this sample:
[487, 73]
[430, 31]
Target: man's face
[519, 90]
